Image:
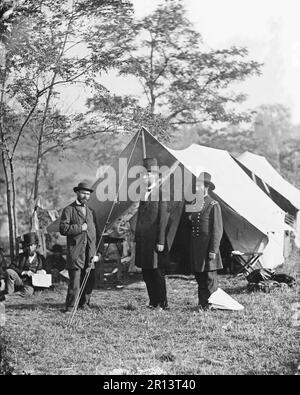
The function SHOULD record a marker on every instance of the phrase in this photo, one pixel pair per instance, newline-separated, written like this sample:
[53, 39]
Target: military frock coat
[206, 233]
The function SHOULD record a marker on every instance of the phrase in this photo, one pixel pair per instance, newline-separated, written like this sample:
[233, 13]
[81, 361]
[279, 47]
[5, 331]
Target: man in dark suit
[19, 274]
[206, 233]
[78, 224]
[151, 253]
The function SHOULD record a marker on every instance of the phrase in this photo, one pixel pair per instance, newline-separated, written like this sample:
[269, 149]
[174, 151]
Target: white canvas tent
[284, 194]
[252, 221]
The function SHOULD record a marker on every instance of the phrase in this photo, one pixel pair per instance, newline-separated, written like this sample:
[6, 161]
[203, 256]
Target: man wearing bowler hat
[79, 225]
[151, 253]
[19, 274]
[206, 233]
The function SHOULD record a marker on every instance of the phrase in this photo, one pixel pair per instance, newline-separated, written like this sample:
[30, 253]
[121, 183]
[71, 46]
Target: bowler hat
[30, 238]
[150, 164]
[83, 186]
[206, 178]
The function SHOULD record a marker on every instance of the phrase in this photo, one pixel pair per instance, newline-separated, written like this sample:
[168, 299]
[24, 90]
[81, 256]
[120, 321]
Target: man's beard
[83, 201]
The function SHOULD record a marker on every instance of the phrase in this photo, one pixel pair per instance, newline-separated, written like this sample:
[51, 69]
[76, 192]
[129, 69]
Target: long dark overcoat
[206, 234]
[81, 246]
[151, 229]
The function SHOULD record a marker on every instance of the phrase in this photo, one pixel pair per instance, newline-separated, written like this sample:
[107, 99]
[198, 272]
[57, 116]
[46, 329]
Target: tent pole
[144, 144]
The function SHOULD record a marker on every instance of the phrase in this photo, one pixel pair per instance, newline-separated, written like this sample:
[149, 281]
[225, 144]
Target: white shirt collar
[31, 257]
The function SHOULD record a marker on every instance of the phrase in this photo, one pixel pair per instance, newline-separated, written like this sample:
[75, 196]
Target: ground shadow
[31, 306]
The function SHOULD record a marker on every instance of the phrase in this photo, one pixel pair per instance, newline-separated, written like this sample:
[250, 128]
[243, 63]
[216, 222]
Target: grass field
[121, 336]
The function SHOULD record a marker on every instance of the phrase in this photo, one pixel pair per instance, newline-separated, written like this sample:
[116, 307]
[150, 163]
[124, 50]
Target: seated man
[30, 262]
[55, 263]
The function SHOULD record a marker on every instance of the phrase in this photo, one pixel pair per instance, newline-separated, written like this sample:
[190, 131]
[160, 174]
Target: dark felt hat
[206, 178]
[150, 164]
[30, 238]
[57, 248]
[83, 186]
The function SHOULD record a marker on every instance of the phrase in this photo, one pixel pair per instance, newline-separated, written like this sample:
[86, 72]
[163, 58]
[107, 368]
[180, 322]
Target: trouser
[75, 282]
[15, 282]
[207, 285]
[156, 287]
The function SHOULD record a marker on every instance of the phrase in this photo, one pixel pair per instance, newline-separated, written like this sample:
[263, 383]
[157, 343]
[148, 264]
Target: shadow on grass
[36, 306]
[236, 290]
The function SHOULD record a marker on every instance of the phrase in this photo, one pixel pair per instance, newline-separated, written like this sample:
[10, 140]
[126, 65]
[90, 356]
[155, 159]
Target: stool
[247, 260]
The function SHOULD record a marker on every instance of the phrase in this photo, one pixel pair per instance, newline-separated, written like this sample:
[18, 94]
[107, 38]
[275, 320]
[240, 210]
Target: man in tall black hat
[206, 234]
[19, 274]
[151, 242]
[79, 225]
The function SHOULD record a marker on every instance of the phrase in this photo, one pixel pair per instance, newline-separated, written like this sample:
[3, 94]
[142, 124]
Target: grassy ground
[121, 336]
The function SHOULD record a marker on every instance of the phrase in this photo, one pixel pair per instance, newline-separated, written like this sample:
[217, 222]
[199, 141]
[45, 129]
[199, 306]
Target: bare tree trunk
[39, 159]
[10, 211]
[40, 143]
[7, 168]
[14, 197]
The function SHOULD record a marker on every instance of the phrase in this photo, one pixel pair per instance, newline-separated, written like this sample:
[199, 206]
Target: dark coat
[23, 264]
[151, 229]
[206, 234]
[81, 246]
[3, 266]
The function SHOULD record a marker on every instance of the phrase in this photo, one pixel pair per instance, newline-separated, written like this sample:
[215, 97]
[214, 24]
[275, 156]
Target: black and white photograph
[149, 190]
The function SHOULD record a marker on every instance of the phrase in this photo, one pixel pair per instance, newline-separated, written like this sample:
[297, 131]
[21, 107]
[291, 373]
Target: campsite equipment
[265, 280]
[260, 275]
[247, 260]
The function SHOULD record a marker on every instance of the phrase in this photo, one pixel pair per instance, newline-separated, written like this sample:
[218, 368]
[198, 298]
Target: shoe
[150, 306]
[205, 307]
[67, 311]
[164, 306]
[85, 307]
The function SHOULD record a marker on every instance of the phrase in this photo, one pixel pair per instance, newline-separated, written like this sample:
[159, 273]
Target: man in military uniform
[152, 254]
[19, 274]
[78, 224]
[206, 234]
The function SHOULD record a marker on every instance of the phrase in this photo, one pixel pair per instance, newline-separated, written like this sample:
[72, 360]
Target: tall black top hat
[83, 186]
[206, 178]
[30, 238]
[150, 164]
